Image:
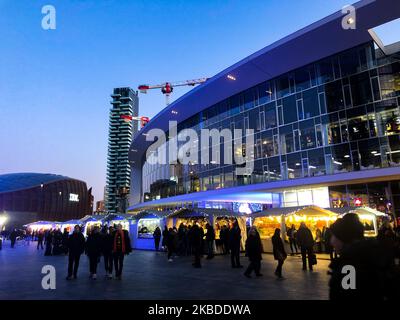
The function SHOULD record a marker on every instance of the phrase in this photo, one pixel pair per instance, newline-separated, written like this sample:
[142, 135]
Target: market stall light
[3, 220]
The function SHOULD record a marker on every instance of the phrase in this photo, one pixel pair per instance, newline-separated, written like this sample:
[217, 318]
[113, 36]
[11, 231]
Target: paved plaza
[148, 275]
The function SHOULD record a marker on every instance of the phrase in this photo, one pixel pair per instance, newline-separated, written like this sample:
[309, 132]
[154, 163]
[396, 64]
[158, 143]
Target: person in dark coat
[40, 236]
[210, 237]
[291, 233]
[107, 250]
[48, 241]
[253, 251]
[279, 251]
[93, 250]
[224, 236]
[327, 235]
[76, 246]
[157, 237]
[196, 242]
[235, 236]
[13, 237]
[375, 276]
[65, 237]
[306, 242]
[170, 243]
[122, 246]
[165, 234]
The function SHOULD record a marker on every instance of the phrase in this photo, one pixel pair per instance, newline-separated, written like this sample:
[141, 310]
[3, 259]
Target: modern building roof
[20, 181]
[317, 41]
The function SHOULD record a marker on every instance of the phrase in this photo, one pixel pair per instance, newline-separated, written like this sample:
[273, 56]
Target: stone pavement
[148, 275]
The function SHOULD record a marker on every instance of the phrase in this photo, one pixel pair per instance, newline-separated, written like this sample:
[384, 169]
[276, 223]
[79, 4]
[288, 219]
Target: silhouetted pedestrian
[279, 251]
[254, 252]
[157, 237]
[122, 247]
[306, 242]
[76, 246]
[235, 237]
[93, 250]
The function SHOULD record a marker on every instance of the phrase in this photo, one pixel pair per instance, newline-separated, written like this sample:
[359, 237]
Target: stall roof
[41, 223]
[90, 218]
[274, 212]
[368, 210]
[73, 221]
[313, 211]
[188, 213]
[151, 215]
[118, 216]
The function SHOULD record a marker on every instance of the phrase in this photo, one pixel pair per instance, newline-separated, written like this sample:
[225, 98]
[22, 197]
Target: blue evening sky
[55, 85]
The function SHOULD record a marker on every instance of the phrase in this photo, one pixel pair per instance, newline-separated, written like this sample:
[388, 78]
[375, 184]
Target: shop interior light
[346, 156]
[337, 162]
[3, 220]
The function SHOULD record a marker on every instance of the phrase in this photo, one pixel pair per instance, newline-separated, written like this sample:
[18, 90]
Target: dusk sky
[55, 85]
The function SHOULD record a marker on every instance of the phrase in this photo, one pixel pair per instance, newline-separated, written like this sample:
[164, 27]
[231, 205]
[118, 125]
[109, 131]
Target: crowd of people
[374, 259]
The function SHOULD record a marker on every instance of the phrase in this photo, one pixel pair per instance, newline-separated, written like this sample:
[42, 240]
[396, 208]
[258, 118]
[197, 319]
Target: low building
[28, 197]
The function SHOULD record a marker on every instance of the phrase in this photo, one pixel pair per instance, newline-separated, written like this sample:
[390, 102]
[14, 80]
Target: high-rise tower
[125, 105]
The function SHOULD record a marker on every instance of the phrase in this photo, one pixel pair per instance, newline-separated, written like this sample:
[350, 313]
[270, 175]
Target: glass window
[394, 142]
[324, 71]
[349, 63]
[361, 89]
[265, 92]
[375, 89]
[146, 227]
[289, 109]
[282, 86]
[322, 102]
[357, 123]
[234, 105]
[286, 139]
[270, 116]
[300, 110]
[334, 96]
[316, 162]
[294, 167]
[310, 103]
[369, 154]
[389, 77]
[307, 135]
[302, 78]
[274, 166]
[249, 99]
[341, 159]
[268, 149]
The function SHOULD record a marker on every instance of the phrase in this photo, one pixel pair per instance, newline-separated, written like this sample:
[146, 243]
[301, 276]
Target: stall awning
[313, 211]
[275, 212]
[40, 223]
[92, 218]
[151, 215]
[370, 211]
[188, 213]
[72, 222]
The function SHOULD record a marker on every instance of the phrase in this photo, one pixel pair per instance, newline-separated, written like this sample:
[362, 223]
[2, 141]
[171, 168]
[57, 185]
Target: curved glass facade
[340, 114]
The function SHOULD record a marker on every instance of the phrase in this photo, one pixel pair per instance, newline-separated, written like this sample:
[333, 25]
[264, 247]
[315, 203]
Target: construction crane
[168, 87]
[143, 120]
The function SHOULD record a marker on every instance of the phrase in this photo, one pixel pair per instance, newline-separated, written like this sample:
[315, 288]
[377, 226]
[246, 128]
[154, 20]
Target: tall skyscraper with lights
[124, 110]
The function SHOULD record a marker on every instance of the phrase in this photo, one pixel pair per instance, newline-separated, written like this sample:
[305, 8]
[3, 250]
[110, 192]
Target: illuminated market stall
[116, 219]
[314, 217]
[91, 221]
[143, 226]
[70, 224]
[42, 225]
[267, 221]
[371, 219]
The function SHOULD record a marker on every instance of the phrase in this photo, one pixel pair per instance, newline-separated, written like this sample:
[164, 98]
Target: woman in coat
[279, 251]
[93, 250]
[253, 252]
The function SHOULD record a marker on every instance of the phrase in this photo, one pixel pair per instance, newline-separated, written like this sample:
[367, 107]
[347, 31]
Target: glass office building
[323, 124]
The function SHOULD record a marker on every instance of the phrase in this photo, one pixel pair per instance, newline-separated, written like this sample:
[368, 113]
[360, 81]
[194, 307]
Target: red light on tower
[144, 121]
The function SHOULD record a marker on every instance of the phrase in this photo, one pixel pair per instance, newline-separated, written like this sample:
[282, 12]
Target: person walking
[48, 241]
[253, 251]
[40, 237]
[291, 234]
[93, 251]
[76, 246]
[210, 237]
[306, 242]
[122, 246]
[170, 242]
[107, 250]
[13, 237]
[235, 237]
[327, 235]
[64, 241]
[196, 241]
[224, 236]
[165, 234]
[279, 251]
[318, 240]
[157, 237]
